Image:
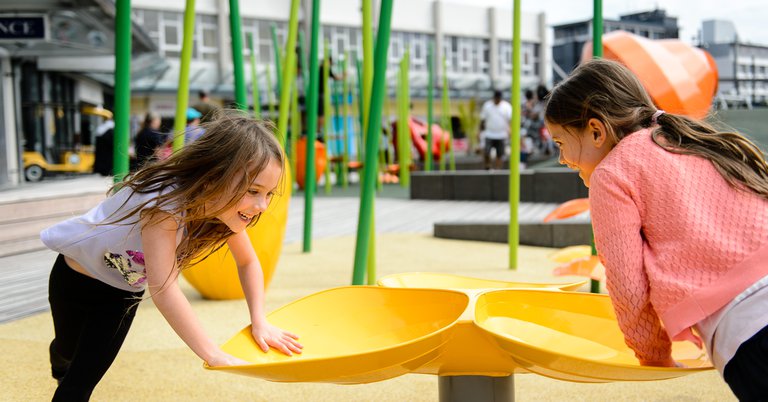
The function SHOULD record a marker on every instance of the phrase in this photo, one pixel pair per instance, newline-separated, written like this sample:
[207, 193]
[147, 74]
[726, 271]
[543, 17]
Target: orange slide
[418, 130]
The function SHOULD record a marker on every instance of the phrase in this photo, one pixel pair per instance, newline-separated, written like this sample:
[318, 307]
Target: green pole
[311, 102]
[430, 84]
[182, 95]
[367, 60]
[327, 107]
[447, 120]
[514, 157]
[295, 124]
[289, 69]
[336, 97]
[278, 60]
[597, 29]
[345, 117]
[255, 81]
[360, 111]
[372, 144]
[403, 131]
[303, 60]
[270, 100]
[594, 285]
[597, 52]
[122, 89]
[241, 97]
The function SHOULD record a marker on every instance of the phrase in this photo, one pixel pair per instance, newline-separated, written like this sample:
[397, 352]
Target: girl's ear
[598, 132]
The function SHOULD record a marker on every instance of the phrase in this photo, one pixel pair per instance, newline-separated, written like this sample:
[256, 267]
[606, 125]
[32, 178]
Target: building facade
[54, 55]
[57, 58]
[742, 66]
[569, 39]
[475, 41]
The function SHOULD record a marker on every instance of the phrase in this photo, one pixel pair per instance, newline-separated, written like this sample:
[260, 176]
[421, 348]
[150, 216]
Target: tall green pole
[122, 88]
[514, 140]
[447, 120]
[295, 124]
[311, 101]
[403, 131]
[360, 112]
[597, 52]
[327, 107]
[278, 60]
[365, 220]
[289, 69]
[241, 97]
[303, 61]
[182, 95]
[597, 29]
[430, 84]
[367, 60]
[270, 99]
[345, 118]
[255, 82]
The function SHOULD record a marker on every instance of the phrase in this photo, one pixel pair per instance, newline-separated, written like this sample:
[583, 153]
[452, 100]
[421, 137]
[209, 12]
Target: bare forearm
[252, 281]
[178, 312]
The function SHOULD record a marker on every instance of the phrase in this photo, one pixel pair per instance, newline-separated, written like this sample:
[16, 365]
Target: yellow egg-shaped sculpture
[216, 277]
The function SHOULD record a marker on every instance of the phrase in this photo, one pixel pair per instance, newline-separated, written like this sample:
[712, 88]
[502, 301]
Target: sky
[749, 16]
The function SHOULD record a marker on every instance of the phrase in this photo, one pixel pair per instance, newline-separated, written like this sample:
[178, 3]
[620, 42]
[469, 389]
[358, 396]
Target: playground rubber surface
[155, 365]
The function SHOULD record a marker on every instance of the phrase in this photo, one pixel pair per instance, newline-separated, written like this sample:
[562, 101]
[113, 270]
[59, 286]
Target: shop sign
[22, 27]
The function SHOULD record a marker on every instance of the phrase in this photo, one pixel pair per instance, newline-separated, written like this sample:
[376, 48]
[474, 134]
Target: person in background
[149, 139]
[206, 108]
[104, 148]
[495, 116]
[193, 130]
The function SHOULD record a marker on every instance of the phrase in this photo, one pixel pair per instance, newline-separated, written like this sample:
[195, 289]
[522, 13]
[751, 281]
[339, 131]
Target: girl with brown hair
[162, 219]
[680, 216]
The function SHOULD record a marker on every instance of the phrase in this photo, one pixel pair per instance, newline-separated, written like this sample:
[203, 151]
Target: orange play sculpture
[321, 158]
[680, 78]
[568, 209]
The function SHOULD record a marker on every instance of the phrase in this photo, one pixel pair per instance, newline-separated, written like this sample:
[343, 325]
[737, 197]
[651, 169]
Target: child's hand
[225, 359]
[267, 335]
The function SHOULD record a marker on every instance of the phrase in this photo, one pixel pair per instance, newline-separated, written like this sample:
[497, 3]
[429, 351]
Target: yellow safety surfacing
[367, 334]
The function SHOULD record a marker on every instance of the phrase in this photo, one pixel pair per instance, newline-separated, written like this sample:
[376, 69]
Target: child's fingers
[282, 347]
[293, 345]
[262, 344]
[292, 340]
[291, 334]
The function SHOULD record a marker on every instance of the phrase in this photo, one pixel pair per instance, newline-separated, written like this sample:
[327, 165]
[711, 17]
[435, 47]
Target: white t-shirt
[111, 253]
[497, 118]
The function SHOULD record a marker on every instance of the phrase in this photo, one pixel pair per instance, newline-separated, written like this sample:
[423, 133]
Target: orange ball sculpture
[680, 78]
[217, 278]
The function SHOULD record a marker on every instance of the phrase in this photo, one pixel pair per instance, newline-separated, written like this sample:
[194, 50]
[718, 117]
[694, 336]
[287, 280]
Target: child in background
[155, 223]
[680, 216]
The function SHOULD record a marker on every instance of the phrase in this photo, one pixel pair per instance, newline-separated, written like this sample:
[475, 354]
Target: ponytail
[736, 158]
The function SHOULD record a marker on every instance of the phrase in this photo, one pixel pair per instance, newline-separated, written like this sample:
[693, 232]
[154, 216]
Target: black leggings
[90, 320]
[747, 372]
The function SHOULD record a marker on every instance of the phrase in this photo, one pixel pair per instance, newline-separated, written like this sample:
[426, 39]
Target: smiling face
[582, 150]
[255, 201]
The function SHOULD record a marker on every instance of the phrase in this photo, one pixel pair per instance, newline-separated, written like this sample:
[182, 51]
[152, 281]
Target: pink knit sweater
[678, 243]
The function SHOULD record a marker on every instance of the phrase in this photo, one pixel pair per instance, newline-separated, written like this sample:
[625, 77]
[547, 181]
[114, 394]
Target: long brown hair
[200, 175]
[608, 91]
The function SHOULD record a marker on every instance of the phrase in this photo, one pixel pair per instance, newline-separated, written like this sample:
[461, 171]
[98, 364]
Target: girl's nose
[560, 158]
[261, 203]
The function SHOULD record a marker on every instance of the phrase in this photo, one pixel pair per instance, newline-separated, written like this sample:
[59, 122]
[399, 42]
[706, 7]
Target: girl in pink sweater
[680, 216]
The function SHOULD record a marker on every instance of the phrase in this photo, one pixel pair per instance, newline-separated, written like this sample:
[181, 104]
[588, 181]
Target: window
[529, 58]
[467, 55]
